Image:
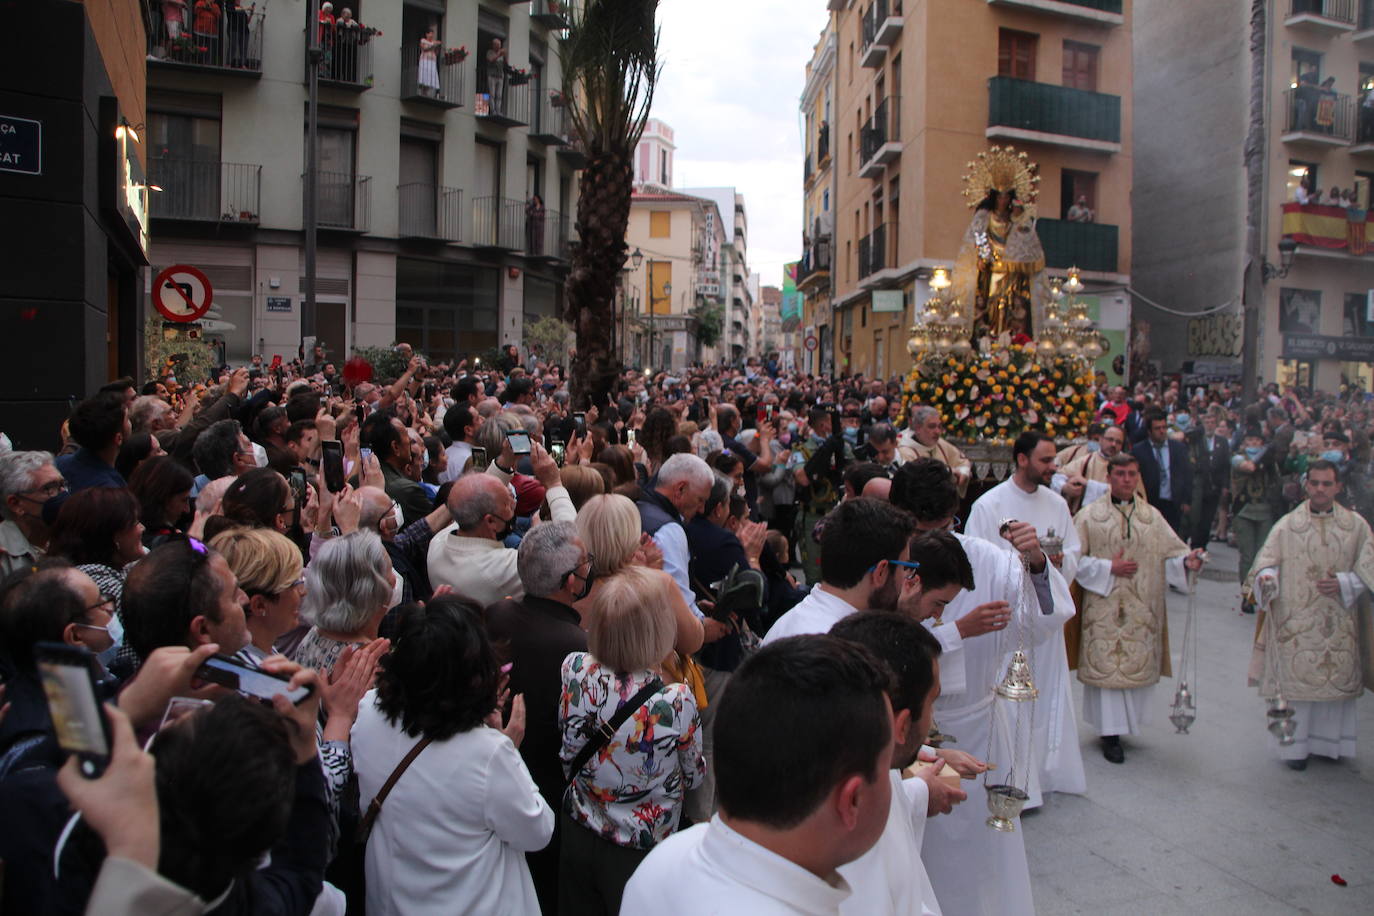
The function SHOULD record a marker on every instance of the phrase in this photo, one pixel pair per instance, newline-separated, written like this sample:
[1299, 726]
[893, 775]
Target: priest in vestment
[973, 868]
[1124, 648]
[1315, 642]
[923, 439]
[1084, 479]
[1026, 496]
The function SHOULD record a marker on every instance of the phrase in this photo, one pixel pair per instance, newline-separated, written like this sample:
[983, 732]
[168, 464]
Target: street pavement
[1209, 822]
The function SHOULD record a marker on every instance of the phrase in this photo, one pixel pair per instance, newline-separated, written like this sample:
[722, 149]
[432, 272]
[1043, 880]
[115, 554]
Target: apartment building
[813, 280]
[770, 319]
[920, 88]
[677, 243]
[446, 187]
[1315, 317]
[737, 342]
[74, 199]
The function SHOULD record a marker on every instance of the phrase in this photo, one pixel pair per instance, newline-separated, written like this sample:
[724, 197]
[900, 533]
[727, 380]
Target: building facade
[446, 178]
[72, 189]
[919, 89]
[770, 319]
[1315, 317]
[653, 164]
[736, 343]
[813, 280]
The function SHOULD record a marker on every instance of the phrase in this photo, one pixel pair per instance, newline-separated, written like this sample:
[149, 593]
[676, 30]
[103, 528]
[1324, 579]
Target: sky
[733, 73]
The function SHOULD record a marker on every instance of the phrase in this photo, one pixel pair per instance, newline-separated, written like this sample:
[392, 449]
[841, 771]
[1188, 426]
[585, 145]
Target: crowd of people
[698, 648]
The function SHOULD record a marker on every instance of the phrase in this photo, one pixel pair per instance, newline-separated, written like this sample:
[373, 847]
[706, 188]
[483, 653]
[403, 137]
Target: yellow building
[676, 243]
[920, 88]
[818, 227]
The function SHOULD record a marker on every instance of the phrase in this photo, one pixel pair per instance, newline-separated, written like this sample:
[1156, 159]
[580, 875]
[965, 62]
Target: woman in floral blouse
[628, 796]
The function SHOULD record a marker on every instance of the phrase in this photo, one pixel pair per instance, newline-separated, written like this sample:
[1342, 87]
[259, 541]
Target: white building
[429, 231]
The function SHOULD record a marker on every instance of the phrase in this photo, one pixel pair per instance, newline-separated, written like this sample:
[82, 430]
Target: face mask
[398, 591]
[1182, 421]
[397, 517]
[1253, 451]
[1335, 456]
[259, 455]
[1094, 446]
[586, 588]
[851, 434]
[506, 529]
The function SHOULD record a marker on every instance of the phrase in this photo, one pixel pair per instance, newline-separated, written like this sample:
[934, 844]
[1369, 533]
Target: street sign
[812, 343]
[182, 293]
[21, 145]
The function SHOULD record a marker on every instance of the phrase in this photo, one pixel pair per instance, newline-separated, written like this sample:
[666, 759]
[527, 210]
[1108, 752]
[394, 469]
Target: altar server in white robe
[1026, 496]
[1315, 641]
[1130, 556]
[974, 869]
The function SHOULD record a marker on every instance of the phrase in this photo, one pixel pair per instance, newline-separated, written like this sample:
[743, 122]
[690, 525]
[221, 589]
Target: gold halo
[1001, 168]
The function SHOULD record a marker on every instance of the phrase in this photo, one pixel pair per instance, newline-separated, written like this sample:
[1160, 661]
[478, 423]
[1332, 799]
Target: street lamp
[1287, 248]
[637, 258]
[667, 294]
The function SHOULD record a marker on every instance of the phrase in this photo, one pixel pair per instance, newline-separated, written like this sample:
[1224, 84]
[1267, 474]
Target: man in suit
[1211, 457]
[1165, 467]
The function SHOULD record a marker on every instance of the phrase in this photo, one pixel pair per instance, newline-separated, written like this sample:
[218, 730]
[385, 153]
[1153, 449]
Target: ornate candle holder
[1281, 723]
[1018, 683]
[1004, 804]
[1184, 713]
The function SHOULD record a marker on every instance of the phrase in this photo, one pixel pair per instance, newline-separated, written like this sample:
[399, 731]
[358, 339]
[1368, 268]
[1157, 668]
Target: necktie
[1163, 469]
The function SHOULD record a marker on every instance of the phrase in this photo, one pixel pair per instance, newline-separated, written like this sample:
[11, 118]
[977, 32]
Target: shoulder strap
[374, 809]
[604, 731]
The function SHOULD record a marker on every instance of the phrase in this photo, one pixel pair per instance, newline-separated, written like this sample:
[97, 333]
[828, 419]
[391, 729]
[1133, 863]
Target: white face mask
[397, 516]
[259, 455]
[397, 592]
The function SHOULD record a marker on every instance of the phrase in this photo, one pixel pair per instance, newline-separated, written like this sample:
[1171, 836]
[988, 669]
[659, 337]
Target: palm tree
[610, 64]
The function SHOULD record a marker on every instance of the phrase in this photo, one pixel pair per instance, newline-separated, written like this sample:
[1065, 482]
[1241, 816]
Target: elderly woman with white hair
[348, 588]
[28, 480]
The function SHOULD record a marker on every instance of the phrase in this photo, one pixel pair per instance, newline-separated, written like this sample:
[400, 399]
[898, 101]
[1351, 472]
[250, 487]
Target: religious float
[1000, 348]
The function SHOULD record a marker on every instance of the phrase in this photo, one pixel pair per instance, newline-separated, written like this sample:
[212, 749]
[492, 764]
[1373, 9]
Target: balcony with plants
[551, 14]
[224, 41]
[433, 76]
[549, 122]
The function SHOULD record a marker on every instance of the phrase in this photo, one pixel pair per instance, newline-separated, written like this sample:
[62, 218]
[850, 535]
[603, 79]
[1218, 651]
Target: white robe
[1056, 726]
[973, 868]
[889, 879]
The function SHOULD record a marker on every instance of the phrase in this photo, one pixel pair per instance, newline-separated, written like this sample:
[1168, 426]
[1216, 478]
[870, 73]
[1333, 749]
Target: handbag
[375, 808]
[603, 731]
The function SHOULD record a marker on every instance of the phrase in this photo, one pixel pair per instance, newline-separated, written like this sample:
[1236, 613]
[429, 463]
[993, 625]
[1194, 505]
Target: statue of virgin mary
[1001, 265]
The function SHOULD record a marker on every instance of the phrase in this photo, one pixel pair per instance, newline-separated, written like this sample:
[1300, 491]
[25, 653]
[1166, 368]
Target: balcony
[1091, 12]
[498, 223]
[873, 254]
[807, 171]
[1364, 29]
[235, 46]
[347, 60]
[428, 211]
[1316, 118]
[504, 104]
[880, 140]
[1325, 17]
[548, 235]
[211, 192]
[343, 201]
[1322, 230]
[572, 152]
[437, 81]
[552, 14]
[549, 125]
[882, 24]
[1055, 115]
[823, 145]
[814, 266]
[1087, 246]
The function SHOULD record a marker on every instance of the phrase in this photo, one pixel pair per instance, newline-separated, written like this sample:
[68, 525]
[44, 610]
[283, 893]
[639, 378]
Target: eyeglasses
[587, 562]
[50, 489]
[905, 564]
[106, 600]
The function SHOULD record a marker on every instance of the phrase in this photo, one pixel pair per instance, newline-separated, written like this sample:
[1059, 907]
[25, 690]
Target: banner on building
[791, 308]
[1322, 346]
[1327, 227]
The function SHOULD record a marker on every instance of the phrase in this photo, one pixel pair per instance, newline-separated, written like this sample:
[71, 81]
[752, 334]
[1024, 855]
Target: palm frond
[610, 62]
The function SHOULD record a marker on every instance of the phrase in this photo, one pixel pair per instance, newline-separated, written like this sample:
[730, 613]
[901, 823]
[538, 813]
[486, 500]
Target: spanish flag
[1327, 227]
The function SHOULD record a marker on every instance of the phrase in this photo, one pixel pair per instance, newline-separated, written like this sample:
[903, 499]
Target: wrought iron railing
[884, 126]
[501, 101]
[823, 143]
[436, 77]
[343, 201]
[1310, 109]
[216, 192]
[498, 222]
[226, 40]
[552, 14]
[547, 233]
[429, 211]
[346, 55]
[873, 252]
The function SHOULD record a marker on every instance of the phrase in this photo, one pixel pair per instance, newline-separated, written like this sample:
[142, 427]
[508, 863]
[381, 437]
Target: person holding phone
[389, 441]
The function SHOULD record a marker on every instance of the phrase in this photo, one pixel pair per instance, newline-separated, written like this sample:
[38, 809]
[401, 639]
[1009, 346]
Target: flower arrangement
[456, 55]
[555, 98]
[997, 396]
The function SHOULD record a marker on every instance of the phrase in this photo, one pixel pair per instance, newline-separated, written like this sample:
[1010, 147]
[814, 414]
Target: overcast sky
[733, 72]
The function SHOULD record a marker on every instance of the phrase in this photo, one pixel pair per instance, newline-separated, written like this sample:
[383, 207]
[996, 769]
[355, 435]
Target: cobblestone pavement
[1210, 822]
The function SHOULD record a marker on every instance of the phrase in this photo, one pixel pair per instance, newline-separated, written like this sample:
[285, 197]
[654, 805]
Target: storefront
[445, 309]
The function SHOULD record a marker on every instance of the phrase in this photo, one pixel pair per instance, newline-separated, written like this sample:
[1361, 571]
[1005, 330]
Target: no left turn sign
[182, 293]
[812, 343]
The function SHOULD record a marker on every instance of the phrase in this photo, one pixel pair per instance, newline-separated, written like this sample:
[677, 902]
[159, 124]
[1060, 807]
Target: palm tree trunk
[603, 216]
[1252, 295]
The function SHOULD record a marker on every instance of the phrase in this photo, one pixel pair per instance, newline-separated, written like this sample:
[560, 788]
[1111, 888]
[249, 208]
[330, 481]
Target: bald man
[878, 488]
[1085, 478]
[469, 555]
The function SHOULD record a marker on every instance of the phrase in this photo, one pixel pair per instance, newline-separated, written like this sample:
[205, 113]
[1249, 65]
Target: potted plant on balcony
[555, 98]
[517, 77]
[455, 55]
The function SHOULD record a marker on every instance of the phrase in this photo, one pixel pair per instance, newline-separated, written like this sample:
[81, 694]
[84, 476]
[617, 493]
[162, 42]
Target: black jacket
[1180, 471]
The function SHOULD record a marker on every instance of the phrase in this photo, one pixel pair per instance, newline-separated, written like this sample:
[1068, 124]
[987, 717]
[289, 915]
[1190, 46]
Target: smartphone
[251, 682]
[333, 464]
[479, 458]
[297, 481]
[519, 441]
[68, 675]
[580, 422]
[556, 449]
[364, 454]
[630, 437]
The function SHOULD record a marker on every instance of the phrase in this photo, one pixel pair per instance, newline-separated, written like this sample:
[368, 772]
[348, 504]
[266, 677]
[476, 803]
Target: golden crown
[1001, 168]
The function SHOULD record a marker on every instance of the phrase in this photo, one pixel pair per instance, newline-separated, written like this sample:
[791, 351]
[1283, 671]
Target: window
[1080, 66]
[1073, 185]
[660, 224]
[1016, 54]
[663, 169]
[1296, 170]
[825, 201]
[1356, 319]
[446, 310]
[1300, 311]
[1304, 61]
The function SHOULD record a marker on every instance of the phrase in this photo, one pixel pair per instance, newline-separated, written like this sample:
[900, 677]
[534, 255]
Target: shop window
[448, 311]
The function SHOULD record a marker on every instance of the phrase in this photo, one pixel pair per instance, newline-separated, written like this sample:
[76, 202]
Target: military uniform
[823, 461]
